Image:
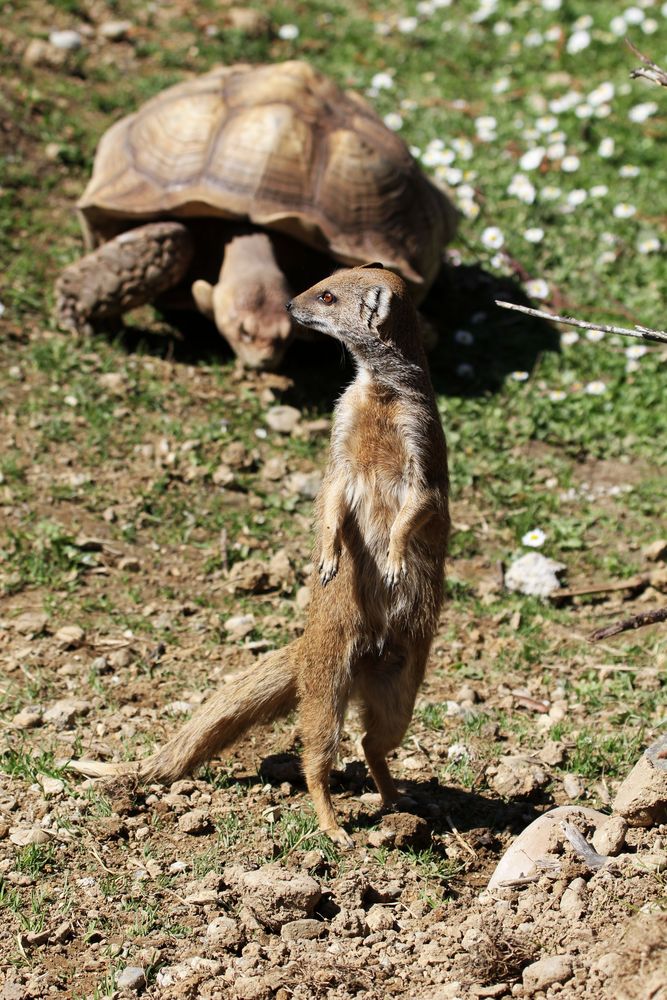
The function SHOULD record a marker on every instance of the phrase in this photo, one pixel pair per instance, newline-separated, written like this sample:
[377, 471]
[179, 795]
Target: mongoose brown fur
[382, 524]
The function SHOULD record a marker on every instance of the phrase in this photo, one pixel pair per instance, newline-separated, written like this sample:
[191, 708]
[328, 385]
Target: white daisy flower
[382, 81]
[393, 121]
[647, 244]
[624, 210]
[468, 208]
[599, 191]
[492, 238]
[629, 170]
[534, 539]
[534, 234]
[618, 26]
[554, 33]
[406, 25]
[261, 432]
[577, 197]
[288, 32]
[463, 148]
[606, 148]
[537, 288]
[602, 94]
[532, 158]
[633, 15]
[640, 112]
[603, 111]
[595, 336]
[649, 26]
[596, 388]
[556, 151]
[520, 376]
[550, 193]
[584, 111]
[570, 163]
[557, 395]
[551, 5]
[501, 86]
[569, 338]
[578, 41]
[533, 39]
[636, 351]
[502, 28]
[522, 188]
[546, 123]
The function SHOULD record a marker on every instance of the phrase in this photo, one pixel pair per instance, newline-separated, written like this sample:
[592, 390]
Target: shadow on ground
[495, 342]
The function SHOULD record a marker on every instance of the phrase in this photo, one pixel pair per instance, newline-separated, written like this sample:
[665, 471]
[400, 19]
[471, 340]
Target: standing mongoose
[382, 524]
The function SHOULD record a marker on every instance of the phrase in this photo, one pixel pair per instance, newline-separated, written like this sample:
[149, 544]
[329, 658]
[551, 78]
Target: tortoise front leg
[128, 271]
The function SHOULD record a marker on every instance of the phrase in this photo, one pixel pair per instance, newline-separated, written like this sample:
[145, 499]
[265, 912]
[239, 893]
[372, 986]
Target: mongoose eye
[327, 297]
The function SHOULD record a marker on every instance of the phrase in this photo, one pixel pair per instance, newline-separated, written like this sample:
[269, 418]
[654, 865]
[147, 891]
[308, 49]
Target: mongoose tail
[264, 692]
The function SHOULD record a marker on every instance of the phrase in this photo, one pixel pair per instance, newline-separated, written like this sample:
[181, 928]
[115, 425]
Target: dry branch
[650, 70]
[637, 621]
[641, 332]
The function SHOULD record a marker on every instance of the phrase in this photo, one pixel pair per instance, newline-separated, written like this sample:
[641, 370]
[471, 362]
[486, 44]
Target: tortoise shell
[281, 146]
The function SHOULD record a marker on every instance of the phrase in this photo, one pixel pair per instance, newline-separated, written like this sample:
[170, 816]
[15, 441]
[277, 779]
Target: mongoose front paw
[340, 837]
[328, 568]
[396, 570]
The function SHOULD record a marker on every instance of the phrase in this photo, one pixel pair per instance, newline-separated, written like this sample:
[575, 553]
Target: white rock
[276, 896]
[534, 574]
[609, 839]
[68, 40]
[573, 786]
[304, 484]
[283, 419]
[546, 972]
[115, 31]
[131, 978]
[63, 712]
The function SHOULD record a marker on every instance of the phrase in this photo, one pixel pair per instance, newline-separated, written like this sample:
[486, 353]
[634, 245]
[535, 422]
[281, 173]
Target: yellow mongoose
[382, 524]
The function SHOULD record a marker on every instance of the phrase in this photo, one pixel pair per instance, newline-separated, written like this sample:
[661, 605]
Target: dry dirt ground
[156, 539]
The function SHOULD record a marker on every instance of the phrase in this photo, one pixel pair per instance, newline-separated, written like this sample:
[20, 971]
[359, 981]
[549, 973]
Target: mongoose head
[367, 308]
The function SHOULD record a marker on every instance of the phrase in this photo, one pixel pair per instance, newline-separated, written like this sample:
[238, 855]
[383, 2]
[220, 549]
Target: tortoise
[237, 189]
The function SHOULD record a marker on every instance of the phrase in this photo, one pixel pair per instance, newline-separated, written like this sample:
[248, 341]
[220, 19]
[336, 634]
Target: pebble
[68, 40]
[642, 796]
[305, 929]
[656, 551]
[70, 636]
[52, 786]
[22, 836]
[132, 977]
[534, 574]
[517, 776]
[572, 901]
[194, 822]
[31, 623]
[276, 896]
[27, 718]
[547, 971]
[609, 839]
[573, 786]
[283, 419]
[115, 31]
[380, 918]
[239, 626]
[224, 932]
[304, 484]
[63, 712]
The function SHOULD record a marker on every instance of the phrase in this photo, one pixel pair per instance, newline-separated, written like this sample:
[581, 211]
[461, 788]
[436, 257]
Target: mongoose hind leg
[388, 697]
[321, 713]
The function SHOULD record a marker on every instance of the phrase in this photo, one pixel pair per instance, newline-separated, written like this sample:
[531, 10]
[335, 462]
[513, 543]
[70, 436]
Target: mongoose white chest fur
[382, 525]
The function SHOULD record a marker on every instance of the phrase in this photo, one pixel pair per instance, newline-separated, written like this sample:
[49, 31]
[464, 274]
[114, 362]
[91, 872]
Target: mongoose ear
[377, 266]
[376, 306]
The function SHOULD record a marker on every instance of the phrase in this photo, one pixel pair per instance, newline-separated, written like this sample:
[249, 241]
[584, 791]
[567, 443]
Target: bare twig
[641, 332]
[650, 70]
[458, 838]
[632, 583]
[637, 621]
[581, 846]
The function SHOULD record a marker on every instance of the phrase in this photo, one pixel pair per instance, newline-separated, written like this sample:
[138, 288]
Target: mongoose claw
[395, 572]
[340, 837]
[328, 569]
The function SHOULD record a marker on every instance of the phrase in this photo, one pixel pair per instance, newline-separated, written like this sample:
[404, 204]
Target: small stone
[380, 918]
[68, 40]
[304, 484]
[534, 574]
[223, 476]
[52, 786]
[642, 797]
[572, 902]
[27, 718]
[30, 623]
[573, 786]
[253, 23]
[225, 933]
[276, 896]
[62, 933]
[516, 777]
[115, 31]
[408, 830]
[121, 658]
[63, 712]
[274, 468]
[40, 53]
[546, 972]
[239, 626]
[302, 930]
[303, 597]
[23, 836]
[609, 839]
[70, 636]
[132, 977]
[283, 419]
[656, 551]
[202, 897]
[194, 822]
[381, 837]
[552, 753]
